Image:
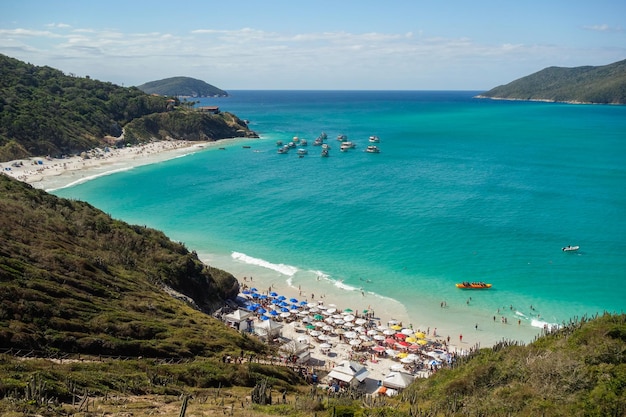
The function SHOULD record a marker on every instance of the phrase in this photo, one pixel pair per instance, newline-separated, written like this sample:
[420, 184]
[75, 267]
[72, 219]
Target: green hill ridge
[45, 112]
[182, 86]
[587, 84]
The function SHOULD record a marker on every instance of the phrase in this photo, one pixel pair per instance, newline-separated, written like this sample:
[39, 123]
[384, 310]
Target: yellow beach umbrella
[420, 335]
[422, 342]
[402, 355]
[410, 340]
[396, 327]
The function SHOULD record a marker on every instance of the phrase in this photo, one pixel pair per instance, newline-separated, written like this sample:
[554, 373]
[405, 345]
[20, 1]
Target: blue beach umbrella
[283, 304]
[284, 310]
[253, 289]
[255, 295]
[294, 307]
[245, 292]
[303, 303]
[263, 296]
[276, 302]
[261, 311]
[252, 307]
[274, 313]
[293, 300]
[282, 297]
[264, 318]
[273, 294]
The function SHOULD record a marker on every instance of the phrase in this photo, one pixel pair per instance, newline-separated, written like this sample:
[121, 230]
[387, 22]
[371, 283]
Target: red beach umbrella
[400, 336]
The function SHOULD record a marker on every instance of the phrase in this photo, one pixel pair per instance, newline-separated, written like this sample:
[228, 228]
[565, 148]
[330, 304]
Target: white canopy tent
[397, 380]
[349, 372]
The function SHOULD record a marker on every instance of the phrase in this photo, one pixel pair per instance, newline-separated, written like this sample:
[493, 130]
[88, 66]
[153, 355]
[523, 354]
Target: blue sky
[360, 44]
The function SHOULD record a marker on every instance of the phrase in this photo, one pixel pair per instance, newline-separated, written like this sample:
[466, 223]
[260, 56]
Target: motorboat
[344, 147]
[284, 149]
[473, 285]
[372, 149]
[318, 141]
[279, 143]
[570, 248]
[342, 138]
[302, 151]
[303, 142]
[325, 146]
[325, 152]
[374, 139]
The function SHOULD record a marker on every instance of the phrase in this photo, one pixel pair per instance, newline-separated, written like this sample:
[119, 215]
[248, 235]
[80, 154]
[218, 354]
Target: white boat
[283, 149]
[324, 152]
[374, 139]
[342, 138]
[325, 146]
[302, 151]
[303, 142]
[344, 147]
[570, 248]
[372, 149]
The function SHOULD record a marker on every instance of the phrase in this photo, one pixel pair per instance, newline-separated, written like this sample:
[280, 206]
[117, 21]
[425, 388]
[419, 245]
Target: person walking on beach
[460, 338]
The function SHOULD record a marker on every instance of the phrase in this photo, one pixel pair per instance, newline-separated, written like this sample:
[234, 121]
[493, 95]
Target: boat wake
[287, 270]
[89, 178]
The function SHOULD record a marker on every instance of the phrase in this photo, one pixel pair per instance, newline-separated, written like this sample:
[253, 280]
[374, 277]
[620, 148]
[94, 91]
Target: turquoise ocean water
[463, 189]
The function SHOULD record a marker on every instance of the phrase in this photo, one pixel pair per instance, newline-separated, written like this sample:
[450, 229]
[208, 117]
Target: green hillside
[600, 84]
[45, 112]
[182, 86]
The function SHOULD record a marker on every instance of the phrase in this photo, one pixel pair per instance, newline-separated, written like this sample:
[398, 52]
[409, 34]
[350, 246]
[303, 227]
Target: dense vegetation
[578, 371]
[74, 280]
[182, 86]
[602, 84]
[45, 112]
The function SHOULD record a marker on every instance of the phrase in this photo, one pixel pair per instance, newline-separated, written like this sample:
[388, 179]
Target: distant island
[182, 87]
[588, 84]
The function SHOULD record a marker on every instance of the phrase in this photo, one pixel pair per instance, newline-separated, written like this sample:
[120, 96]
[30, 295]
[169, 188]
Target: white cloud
[603, 28]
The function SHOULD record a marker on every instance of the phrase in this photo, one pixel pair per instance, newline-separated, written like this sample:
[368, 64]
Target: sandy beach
[51, 173]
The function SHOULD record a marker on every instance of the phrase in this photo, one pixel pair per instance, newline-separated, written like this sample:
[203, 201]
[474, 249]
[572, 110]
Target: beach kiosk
[349, 372]
[239, 320]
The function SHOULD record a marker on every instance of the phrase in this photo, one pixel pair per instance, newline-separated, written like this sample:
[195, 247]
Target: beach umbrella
[410, 340]
[349, 317]
[253, 289]
[314, 333]
[400, 336]
[420, 335]
[378, 337]
[322, 337]
[327, 328]
[392, 322]
[293, 300]
[246, 292]
[359, 329]
[264, 317]
[329, 320]
[331, 310]
[307, 319]
[348, 324]
[378, 349]
[412, 356]
[303, 303]
[294, 310]
[318, 317]
[339, 331]
[403, 344]
[355, 342]
[282, 297]
[407, 360]
[402, 355]
[339, 321]
[283, 304]
[350, 335]
[422, 342]
[396, 327]
[414, 347]
[389, 332]
[310, 326]
[372, 332]
[284, 309]
[285, 314]
[263, 296]
[311, 305]
[390, 341]
[407, 331]
[274, 313]
[255, 295]
[261, 310]
[319, 324]
[348, 310]
[392, 353]
[364, 337]
[314, 310]
[252, 307]
[360, 322]
[325, 346]
[273, 294]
